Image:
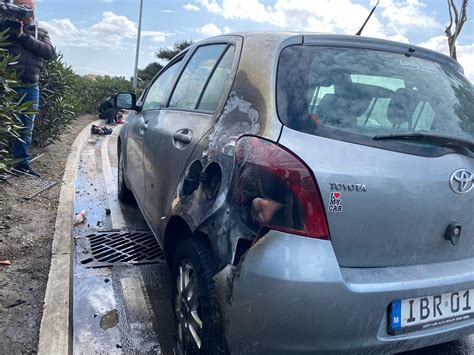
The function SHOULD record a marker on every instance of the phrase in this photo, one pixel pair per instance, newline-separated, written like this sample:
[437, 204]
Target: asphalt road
[118, 309]
[127, 309]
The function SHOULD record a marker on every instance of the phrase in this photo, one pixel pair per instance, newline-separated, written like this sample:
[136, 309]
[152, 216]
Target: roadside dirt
[26, 233]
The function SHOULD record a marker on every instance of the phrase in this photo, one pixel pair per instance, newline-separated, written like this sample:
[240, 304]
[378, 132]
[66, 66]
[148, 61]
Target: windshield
[363, 93]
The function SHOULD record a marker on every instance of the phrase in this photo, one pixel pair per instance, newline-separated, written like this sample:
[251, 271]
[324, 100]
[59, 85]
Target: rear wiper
[446, 141]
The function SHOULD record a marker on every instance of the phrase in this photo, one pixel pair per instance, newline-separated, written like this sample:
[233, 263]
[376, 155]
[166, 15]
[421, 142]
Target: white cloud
[191, 7]
[211, 6]
[243, 9]
[155, 36]
[111, 31]
[300, 15]
[210, 30]
[398, 38]
[465, 53]
[403, 16]
[112, 24]
[392, 20]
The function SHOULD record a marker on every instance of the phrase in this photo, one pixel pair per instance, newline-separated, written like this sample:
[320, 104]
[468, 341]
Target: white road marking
[118, 222]
[138, 314]
[135, 302]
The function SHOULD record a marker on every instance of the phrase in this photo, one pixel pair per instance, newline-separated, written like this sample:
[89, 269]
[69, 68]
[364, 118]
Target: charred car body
[307, 190]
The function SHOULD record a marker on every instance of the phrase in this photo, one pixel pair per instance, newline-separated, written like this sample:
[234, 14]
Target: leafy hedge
[58, 104]
[63, 95]
[94, 91]
[10, 123]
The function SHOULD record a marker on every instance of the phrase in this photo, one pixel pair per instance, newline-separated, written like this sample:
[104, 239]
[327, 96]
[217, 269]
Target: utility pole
[135, 75]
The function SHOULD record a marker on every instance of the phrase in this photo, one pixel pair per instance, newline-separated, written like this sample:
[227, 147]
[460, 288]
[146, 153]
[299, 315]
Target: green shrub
[95, 90]
[64, 94]
[58, 101]
[10, 123]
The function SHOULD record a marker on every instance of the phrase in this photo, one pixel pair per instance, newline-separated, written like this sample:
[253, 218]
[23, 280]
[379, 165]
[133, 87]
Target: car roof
[317, 38]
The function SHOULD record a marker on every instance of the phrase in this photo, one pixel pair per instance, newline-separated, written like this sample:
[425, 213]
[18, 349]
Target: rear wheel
[124, 194]
[195, 302]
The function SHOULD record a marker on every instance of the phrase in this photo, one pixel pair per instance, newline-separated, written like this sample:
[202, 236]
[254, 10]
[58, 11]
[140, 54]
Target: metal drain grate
[115, 248]
[34, 187]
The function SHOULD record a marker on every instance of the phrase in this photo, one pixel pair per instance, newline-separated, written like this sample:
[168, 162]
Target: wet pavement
[127, 309]
[119, 309]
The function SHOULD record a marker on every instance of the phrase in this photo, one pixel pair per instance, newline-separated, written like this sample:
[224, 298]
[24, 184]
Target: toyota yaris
[312, 193]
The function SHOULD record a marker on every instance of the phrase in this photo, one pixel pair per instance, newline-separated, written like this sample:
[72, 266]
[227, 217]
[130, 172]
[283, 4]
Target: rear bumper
[290, 296]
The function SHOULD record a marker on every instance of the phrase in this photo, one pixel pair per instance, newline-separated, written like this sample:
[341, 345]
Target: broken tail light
[278, 190]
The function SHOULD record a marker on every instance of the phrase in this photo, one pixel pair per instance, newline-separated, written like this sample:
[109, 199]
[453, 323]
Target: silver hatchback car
[312, 193]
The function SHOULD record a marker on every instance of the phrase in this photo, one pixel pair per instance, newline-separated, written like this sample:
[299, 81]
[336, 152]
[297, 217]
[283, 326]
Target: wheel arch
[176, 232]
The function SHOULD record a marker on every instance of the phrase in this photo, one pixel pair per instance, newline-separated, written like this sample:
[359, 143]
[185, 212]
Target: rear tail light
[278, 189]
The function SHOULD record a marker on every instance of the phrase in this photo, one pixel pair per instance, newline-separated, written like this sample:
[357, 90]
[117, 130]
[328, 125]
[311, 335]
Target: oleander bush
[95, 90]
[63, 96]
[58, 104]
[10, 123]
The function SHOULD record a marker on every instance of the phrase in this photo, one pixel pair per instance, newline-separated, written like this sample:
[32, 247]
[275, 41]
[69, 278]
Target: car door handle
[183, 137]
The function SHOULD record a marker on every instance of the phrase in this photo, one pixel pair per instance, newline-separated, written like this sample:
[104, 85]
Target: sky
[99, 37]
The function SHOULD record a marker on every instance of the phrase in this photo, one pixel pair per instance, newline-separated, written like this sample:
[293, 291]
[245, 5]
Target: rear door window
[195, 76]
[218, 83]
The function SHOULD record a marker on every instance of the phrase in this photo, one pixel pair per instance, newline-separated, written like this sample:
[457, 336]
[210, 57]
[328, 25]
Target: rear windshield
[356, 94]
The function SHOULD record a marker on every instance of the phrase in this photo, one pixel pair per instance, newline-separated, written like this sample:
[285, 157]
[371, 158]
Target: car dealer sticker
[335, 204]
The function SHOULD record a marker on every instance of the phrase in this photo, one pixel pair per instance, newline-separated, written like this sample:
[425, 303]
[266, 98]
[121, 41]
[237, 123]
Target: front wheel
[196, 307]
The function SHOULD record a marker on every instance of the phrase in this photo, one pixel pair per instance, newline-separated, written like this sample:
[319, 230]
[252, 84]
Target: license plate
[431, 311]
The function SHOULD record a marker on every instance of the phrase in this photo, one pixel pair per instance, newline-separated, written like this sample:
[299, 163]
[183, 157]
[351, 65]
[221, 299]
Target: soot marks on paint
[238, 117]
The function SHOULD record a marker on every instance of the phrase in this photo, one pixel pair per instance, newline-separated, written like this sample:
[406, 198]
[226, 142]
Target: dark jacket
[34, 47]
[106, 104]
[108, 110]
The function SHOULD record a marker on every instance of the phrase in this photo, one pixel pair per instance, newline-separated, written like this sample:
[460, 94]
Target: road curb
[56, 331]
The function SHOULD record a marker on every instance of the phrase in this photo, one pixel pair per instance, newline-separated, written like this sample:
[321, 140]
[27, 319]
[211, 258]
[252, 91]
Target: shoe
[28, 170]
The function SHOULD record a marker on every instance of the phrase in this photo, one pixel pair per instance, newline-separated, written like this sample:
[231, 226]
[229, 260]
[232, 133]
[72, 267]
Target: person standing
[33, 46]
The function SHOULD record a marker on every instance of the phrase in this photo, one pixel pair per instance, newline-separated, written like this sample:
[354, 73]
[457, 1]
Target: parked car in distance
[312, 193]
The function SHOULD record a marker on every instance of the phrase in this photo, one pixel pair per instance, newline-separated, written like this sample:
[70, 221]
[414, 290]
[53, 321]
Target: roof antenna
[367, 19]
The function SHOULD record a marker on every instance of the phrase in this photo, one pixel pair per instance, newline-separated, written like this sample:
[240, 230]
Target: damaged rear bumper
[290, 296]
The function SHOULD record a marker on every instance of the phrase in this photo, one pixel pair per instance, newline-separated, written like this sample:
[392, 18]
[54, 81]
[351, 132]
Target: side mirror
[126, 100]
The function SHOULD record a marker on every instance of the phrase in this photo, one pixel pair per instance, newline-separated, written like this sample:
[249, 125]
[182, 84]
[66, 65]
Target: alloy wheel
[188, 310]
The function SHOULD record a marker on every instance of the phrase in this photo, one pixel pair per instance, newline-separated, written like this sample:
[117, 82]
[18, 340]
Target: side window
[195, 75]
[156, 95]
[218, 83]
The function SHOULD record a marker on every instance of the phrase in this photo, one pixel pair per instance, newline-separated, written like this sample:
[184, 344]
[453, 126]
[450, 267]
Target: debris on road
[17, 303]
[5, 262]
[101, 130]
[37, 186]
[80, 217]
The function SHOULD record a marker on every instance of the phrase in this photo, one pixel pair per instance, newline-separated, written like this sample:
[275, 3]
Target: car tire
[198, 320]
[124, 193]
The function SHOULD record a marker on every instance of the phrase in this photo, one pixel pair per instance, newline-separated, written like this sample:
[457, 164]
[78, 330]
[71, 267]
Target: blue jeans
[21, 147]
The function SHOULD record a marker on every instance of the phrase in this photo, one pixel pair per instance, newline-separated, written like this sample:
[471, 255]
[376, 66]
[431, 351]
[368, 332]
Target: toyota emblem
[461, 181]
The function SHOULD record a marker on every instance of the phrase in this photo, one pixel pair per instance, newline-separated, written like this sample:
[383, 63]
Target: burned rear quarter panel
[250, 109]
